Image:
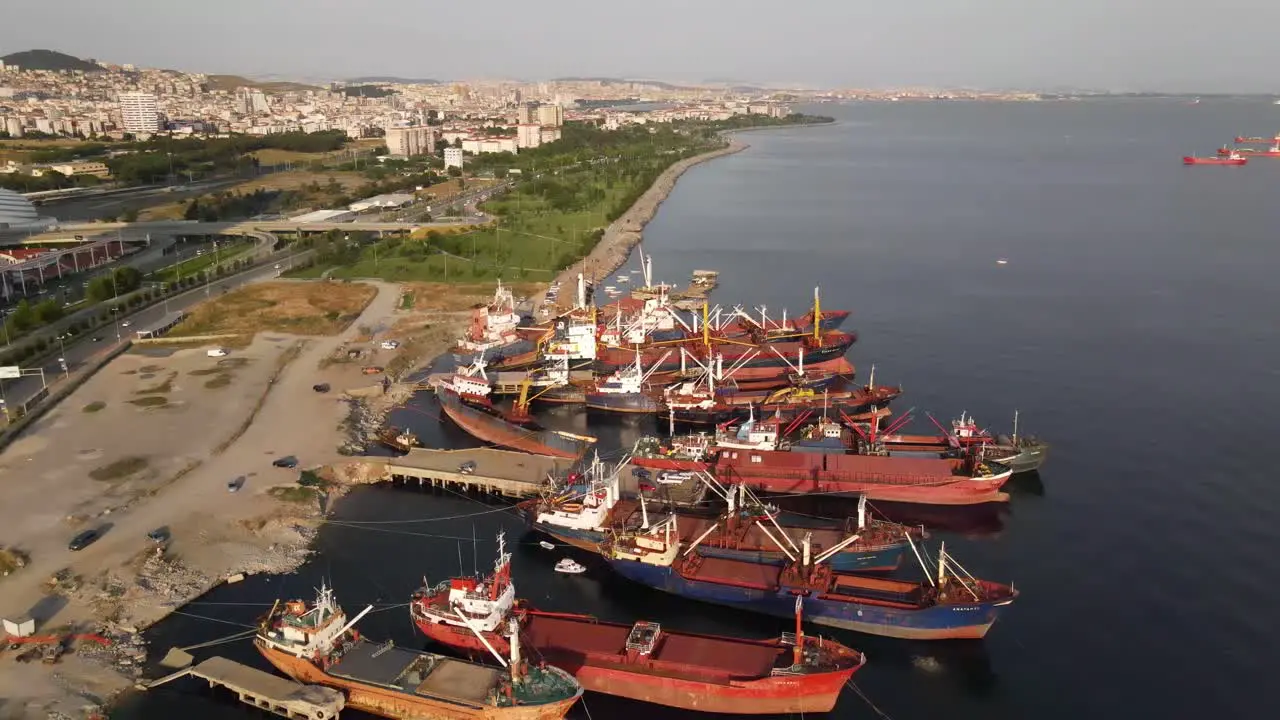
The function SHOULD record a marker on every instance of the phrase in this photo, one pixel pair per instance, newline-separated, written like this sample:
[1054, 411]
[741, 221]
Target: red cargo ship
[645, 661]
[1233, 158]
[464, 398]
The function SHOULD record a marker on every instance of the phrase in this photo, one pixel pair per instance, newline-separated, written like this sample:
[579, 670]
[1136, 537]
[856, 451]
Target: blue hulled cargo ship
[952, 605]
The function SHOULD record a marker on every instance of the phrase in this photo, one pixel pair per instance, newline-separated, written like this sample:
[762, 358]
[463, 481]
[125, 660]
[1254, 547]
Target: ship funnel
[513, 629]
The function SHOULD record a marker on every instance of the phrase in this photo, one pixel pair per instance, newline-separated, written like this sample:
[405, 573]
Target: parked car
[216, 352]
[390, 344]
[674, 478]
[288, 461]
[236, 484]
[321, 387]
[158, 535]
[647, 487]
[641, 473]
[371, 369]
[467, 468]
[96, 338]
[85, 539]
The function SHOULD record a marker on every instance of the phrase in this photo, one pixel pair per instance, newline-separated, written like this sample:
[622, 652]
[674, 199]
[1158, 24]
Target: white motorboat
[546, 545]
[570, 567]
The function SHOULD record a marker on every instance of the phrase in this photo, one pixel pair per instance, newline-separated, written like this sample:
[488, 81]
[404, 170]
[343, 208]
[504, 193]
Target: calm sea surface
[1133, 326]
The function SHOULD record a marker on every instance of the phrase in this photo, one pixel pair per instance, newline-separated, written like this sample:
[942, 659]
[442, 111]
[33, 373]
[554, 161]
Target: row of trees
[230, 206]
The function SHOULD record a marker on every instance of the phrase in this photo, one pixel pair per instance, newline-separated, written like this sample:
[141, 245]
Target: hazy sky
[1178, 45]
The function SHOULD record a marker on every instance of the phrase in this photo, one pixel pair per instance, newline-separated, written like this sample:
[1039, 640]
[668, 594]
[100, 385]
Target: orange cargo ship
[316, 645]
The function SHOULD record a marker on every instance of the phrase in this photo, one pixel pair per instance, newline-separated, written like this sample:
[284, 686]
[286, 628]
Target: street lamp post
[66, 373]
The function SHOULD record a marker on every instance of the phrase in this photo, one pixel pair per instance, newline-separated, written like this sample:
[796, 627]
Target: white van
[216, 352]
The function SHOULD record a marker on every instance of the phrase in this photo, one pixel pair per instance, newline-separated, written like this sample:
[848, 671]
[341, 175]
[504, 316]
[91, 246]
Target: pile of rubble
[169, 581]
[369, 415]
[125, 649]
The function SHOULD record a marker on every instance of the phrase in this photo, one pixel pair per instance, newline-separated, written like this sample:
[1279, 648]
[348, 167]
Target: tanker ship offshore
[643, 661]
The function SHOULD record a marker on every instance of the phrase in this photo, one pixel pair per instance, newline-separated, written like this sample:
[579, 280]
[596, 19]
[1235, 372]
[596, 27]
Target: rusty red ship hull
[928, 481]
[689, 671]
[780, 353]
[490, 428]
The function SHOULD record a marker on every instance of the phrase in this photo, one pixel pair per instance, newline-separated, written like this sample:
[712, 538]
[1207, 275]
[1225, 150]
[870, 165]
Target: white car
[126, 323]
[216, 352]
[390, 344]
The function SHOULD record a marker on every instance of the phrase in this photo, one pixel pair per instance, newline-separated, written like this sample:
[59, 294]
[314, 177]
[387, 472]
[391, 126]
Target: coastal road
[16, 392]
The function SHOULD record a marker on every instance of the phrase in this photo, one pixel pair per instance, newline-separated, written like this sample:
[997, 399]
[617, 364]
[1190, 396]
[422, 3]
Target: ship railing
[788, 638]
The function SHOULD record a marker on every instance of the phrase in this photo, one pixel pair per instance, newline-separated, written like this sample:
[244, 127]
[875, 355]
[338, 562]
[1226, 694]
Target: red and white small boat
[1232, 158]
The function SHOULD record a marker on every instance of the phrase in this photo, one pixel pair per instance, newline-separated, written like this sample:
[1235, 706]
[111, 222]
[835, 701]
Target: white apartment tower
[139, 113]
[453, 157]
[524, 114]
[528, 135]
[410, 140]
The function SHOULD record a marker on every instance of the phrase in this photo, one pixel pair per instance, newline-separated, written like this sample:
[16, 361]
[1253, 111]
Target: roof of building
[386, 200]
[17, 211]
[322, 216]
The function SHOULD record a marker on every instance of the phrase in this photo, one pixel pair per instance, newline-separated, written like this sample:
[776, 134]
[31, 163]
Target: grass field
[318, 308]
[296, 179]
[226, 251]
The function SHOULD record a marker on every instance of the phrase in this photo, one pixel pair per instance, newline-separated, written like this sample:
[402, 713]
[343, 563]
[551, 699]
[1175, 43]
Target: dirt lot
[311, 308]
[152, 441]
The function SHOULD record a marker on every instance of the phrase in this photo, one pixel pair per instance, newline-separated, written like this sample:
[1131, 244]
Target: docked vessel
[1233, 158]
[398, 439]
[746, 531]
[626, 390]
[826, 346]
[952, 605]
[464, 398]
[492, 326]
[1020, 453]
[642, 661]
[316, 645]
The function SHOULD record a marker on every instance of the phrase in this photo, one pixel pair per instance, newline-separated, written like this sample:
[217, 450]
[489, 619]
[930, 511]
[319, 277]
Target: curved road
[16, 392]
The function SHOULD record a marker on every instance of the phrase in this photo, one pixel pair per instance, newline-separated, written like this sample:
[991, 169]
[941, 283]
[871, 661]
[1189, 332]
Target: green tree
[130, 215]
[47, 312]
[23, 317]
[455, 171]
[193, 210]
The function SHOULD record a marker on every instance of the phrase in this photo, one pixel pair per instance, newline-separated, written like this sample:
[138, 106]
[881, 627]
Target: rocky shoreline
[623, 234]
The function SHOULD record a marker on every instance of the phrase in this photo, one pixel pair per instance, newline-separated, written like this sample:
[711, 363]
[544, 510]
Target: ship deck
[416, 673]
[705, 656]
[736, 572]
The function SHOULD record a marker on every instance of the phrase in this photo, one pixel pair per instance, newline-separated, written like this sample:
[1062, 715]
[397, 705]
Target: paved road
[17, 392]
[90, 206]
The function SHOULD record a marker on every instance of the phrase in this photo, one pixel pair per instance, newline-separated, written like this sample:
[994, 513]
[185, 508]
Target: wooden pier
[265, 691]
[485, 470]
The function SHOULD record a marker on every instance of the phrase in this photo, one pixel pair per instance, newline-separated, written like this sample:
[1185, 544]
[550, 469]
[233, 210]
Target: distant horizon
[684, 82]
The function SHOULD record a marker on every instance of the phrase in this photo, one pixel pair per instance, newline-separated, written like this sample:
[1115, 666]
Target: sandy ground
[207, 431]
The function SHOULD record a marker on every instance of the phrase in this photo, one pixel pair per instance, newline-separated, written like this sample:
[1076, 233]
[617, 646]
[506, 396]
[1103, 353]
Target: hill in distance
[231, 82]
[394, 80]
[49, 60]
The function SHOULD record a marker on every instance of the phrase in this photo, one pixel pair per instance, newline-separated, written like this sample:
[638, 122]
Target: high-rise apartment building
[524, 114]
[409, 140]
[550, 115]
[453, 157]
[139, 113]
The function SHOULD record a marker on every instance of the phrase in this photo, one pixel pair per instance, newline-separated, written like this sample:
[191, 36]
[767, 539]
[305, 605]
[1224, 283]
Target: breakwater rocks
[626, 232]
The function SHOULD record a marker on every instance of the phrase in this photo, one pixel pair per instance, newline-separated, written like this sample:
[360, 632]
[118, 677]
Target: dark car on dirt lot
[85, 539]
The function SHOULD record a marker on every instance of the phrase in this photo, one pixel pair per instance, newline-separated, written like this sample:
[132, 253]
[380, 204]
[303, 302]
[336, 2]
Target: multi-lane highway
[77, 351]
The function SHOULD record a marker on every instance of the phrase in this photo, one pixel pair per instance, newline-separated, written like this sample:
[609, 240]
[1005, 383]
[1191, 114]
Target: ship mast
[817, 316]
[797, 656]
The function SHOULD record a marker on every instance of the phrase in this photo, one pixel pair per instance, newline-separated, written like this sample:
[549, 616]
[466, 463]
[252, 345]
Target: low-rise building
[391, 200]
[95, 169]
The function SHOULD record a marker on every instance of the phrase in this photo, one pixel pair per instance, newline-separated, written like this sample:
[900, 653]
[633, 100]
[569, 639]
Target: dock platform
[265, 691]
[500, 472]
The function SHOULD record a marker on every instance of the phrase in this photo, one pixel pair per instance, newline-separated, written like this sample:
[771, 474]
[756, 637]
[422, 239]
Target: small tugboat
[791, 674]
[951, 605]
[1233, 158]
[398, 439]
[316, 645]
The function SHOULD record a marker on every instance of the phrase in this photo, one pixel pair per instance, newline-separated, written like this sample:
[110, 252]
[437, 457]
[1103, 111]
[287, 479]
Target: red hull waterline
[589, 655]
[1189, 160]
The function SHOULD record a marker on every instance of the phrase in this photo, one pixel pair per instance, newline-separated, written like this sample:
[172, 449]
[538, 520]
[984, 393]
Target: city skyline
[991, 44]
